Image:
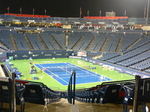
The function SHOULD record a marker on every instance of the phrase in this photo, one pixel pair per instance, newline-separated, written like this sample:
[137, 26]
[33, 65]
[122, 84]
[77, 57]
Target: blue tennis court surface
[62, 72]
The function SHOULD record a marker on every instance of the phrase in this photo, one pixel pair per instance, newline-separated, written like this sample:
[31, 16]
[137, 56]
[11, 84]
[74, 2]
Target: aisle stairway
[64, 106]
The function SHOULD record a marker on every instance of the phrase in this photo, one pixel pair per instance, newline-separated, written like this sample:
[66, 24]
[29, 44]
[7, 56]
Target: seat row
[107, 94]
[119, 93]
[37, 93]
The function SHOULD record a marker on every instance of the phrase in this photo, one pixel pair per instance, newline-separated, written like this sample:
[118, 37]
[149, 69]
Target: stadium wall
[3, 56]
[89, 53]
[17, 55]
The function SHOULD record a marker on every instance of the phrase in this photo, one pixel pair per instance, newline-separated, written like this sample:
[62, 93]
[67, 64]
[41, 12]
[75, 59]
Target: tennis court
[62, 72]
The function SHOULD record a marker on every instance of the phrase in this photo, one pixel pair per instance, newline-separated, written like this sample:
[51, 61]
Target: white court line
[82, 69]
[54, 74]
[90, 73]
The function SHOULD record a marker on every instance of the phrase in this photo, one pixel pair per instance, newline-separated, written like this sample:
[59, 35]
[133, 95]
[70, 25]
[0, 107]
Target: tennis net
[61, 69]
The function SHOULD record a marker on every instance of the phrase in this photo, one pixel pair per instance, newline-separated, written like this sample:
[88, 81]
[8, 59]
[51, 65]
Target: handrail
[118, 82]
[71, 91]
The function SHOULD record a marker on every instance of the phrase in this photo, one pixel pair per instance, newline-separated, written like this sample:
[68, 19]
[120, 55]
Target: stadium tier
[97, 48]
[122, 41]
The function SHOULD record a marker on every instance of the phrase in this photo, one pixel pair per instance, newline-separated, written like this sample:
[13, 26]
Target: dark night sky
[71, 8]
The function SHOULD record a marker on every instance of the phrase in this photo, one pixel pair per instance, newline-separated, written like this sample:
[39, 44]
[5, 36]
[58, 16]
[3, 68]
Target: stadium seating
[6, 94]
[20, 41]
[35, 42]
[130, 54]
[112, 43]
[83, 44]
[5, 38]
[74, 38]
[60, 38]
[131, 49]
[128, 39]
[124, 47]
[143, 41]
[147, 70]
[48, 41]
[142, 65]
[136, 59]
[98, 42]
[83, 96]
[129, 90]
[109, 94]
[108, 55]
[142, 94]
[40, 94]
